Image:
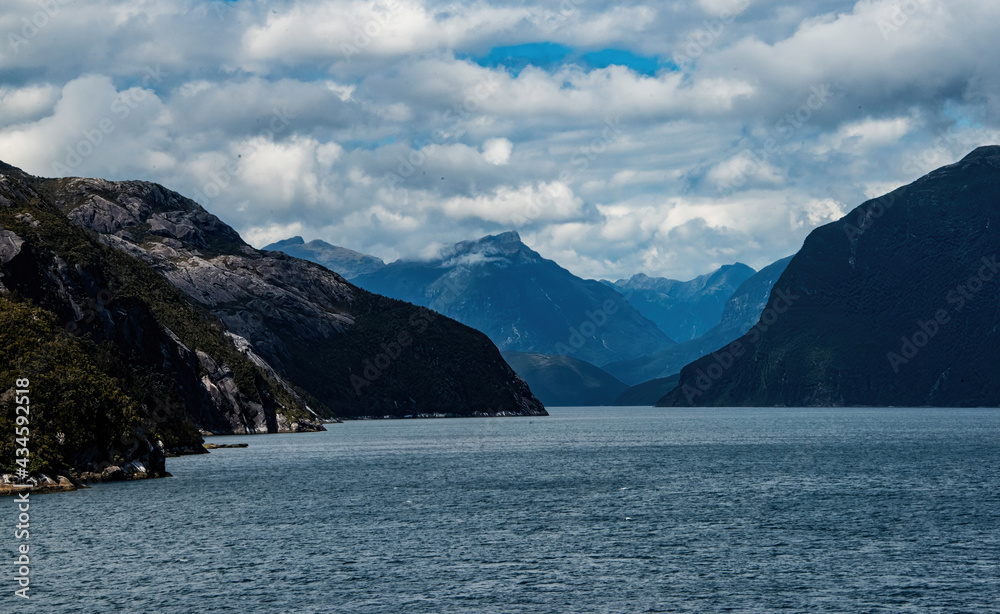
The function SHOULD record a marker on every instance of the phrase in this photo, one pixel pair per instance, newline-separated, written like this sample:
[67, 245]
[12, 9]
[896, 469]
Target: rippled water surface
[589, 510]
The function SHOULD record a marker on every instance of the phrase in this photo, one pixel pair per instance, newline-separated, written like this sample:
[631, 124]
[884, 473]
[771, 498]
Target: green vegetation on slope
[76, 412]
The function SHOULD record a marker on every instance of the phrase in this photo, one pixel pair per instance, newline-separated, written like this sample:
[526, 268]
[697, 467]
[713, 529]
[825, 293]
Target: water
[589, 510]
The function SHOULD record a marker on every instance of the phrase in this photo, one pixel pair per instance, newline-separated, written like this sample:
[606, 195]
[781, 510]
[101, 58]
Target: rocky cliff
[183, 328]
[123, 368]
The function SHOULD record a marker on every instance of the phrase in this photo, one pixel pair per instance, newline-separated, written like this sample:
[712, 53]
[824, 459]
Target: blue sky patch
[552, 56]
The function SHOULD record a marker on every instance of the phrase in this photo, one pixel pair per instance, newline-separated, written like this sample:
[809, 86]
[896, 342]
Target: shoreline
[71, 481]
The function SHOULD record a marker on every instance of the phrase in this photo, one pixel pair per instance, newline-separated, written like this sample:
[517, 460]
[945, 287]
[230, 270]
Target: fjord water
[588, 510]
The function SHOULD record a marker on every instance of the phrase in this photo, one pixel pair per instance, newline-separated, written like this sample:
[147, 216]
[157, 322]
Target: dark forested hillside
[898, 303]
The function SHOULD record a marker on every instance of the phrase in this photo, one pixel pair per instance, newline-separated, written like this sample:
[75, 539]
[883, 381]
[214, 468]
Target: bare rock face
[209, 262]
[118, 305]
[323, 345]
[10, 245]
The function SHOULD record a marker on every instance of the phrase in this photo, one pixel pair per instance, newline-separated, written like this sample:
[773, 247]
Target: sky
[666, 138]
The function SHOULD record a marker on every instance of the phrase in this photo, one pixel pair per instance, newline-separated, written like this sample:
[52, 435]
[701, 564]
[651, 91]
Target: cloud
[94, 128]
[497, 151]
[515, 206]
[370, 124]
[25, 104]
[741, 169]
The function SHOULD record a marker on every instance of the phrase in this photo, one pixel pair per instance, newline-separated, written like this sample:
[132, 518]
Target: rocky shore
[42, 483]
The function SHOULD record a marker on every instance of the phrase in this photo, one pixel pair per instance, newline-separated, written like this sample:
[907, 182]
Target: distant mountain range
[894, 304]
[522, 301]
[349, 263]
[143, 321]
[742, 310]
[539, 312]
[647, 393]
[684, 310]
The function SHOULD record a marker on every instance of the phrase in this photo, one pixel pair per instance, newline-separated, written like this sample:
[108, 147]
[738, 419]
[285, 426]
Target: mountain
[140, 318]
[647, 393]
[742, 310]
[684, 310]
[349, 263]
[522, 301]
[894, 304]
[122, 369]
[564, 381]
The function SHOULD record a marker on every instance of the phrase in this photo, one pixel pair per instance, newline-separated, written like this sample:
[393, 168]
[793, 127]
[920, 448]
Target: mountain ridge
[563, 381]
[521, 300]
[684, 310]
[879, 307]
[139, 282]
[346, 262]
[741, 311]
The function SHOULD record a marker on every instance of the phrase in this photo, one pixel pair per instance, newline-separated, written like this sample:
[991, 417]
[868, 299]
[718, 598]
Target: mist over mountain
[897, 303]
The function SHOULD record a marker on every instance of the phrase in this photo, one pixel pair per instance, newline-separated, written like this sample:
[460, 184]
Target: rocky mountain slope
[897, 303]
[122, 367]
[564, 381]
[684, 310]
[348, 263]
[177, 326]
[742, 310]
[522, 301]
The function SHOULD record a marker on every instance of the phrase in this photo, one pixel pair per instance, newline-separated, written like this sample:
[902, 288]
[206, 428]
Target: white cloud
[497, 151]
[514, 206]
[741, 169]
[30, 103]
[399, 142]
[352, 30]
[860, 136]
[93, 128]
